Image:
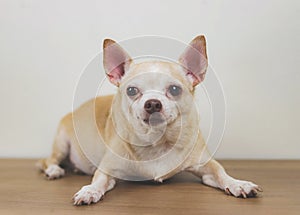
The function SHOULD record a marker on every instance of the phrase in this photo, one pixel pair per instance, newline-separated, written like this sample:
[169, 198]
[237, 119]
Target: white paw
[239, 188]
[54, 171]
[87, 195]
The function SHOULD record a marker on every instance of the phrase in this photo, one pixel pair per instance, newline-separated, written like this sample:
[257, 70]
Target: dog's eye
[132, 91]
[175, 90]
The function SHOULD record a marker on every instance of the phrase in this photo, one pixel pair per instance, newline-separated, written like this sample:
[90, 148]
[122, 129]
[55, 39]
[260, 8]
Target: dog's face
[155, 94]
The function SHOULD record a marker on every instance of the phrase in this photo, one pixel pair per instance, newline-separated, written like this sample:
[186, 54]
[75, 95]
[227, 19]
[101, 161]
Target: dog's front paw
[54, 171]
[239, 188]
[87, 195]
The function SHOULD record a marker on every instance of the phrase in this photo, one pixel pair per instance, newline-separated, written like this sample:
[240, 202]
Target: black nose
[152, 105]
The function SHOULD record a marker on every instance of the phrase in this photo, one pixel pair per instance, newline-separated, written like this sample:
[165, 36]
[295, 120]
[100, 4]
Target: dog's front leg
[214, 175]
[93, 192]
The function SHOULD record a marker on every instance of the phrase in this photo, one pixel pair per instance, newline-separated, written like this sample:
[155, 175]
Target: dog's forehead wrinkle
[153, 67]
[152, 81]
[149, 72]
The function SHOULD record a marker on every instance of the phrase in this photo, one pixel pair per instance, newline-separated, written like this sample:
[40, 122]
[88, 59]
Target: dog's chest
[153, 152]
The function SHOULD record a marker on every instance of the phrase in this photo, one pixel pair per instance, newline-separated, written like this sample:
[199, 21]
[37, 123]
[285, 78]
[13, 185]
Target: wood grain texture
[25, 191]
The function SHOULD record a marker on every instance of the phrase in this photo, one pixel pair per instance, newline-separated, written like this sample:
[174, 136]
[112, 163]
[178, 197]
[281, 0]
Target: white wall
[252, 45]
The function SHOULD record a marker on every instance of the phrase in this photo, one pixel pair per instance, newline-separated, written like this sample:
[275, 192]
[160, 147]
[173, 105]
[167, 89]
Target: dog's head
[155, 93]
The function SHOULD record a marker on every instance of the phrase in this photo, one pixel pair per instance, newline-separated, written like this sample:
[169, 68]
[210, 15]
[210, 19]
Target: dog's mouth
[154, 119]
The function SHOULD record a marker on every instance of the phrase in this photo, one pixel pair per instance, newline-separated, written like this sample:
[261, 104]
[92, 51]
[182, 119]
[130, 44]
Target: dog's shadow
[180, 178]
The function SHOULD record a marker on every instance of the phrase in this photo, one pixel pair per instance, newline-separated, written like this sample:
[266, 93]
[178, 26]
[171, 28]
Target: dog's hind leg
[60, 151]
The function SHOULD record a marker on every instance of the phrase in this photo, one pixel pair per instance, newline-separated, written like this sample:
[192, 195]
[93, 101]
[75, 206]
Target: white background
[252, 45]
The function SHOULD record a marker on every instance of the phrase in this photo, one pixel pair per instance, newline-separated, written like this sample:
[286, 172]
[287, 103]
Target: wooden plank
[25, 191]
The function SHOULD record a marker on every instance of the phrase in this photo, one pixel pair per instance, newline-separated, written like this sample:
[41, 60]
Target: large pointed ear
[115, 61]
[194, 60]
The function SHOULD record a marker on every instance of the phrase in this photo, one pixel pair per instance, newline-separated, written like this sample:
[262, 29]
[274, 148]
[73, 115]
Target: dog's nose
[152, 105]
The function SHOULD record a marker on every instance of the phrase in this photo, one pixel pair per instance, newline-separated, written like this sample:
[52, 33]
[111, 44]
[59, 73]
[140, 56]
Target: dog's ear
[115, 61]
[194, 60]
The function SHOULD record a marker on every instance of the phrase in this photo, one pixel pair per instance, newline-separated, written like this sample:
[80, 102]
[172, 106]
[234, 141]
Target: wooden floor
[26, 191]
